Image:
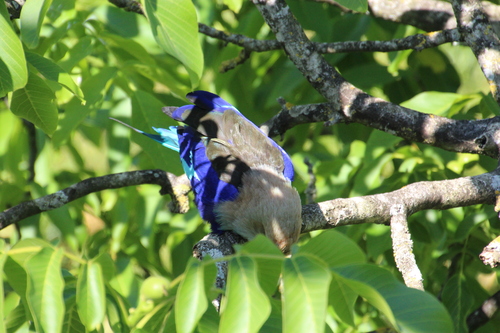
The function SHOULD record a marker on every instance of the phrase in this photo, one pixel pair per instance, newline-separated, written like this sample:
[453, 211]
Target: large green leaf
[268, 258]
[191, 300]
[246, 306]
[13, 70]
[52, 71]
[90, 295]
[32, 17]
[175, 27]
[45, 289]
[35, 102]
[305, 294]
[458, 300]
[404, 307]
[342, 299]
[334, 248]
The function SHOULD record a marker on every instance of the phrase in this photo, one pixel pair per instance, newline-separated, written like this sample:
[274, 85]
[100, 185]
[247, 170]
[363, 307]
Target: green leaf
[246, 306]
[434, 102]
[175, 27]
[458, 300]
[305, 294]
[94, 89]
[77, 53]
[3, 258]
[13, 69]
[72, 322]
[45, 289]
[156, 319]
[234, 5]
[334, 248]
[90, 295]
[52, 71]
[191, 301]
[268, 258]
[404, 307]
[35, 102]
[32, 17]
[356, 5]
[342, 299]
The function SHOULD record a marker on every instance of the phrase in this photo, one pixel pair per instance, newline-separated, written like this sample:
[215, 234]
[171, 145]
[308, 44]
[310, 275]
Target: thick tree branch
[428, 15]
[350, 104]
[177, 187]
[379, 208]
[465, 136]
[478, 33]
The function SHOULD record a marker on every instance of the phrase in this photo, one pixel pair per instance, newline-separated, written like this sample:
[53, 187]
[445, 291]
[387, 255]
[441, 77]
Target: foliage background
[83, 267]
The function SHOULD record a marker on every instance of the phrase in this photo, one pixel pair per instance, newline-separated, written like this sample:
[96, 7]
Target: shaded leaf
[458, 300]
[404, 307]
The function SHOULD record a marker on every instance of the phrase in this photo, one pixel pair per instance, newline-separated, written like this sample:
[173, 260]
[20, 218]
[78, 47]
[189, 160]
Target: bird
[240, 177]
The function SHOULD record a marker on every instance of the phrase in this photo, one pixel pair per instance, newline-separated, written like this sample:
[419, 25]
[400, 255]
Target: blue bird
[241, 178]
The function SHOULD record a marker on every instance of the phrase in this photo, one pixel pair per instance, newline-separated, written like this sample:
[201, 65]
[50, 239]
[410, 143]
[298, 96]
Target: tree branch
[428, 15]
[416, 42]
[350, 104]
[478, 33]
[402, 247]
[177, 187]
[484, 313]
[464, 136]
[379, 208]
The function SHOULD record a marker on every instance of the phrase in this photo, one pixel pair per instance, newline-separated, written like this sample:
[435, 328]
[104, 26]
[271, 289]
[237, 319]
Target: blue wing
[206, 102]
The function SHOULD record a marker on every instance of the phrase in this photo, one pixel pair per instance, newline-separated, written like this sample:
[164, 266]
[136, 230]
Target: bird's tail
[166, 137]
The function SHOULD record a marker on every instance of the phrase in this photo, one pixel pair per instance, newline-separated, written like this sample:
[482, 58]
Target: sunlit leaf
[305, 294]
[32, 17]
[356, 5]
[246, 306]
[334, 248]
[268, 259]
[52, 71]
[191, 301]
[175, 27]
[45, 289]
[90, 295]
[35, 102]
[13, 70]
